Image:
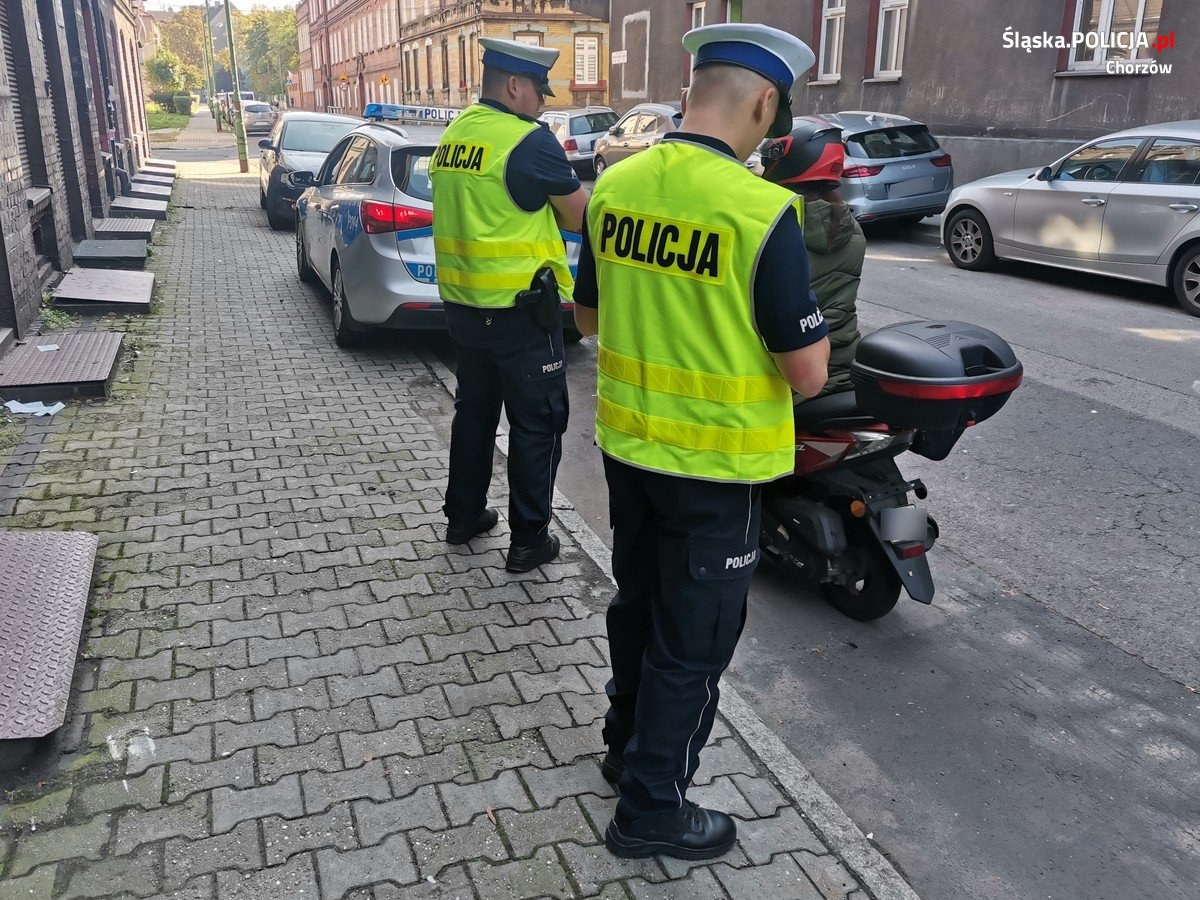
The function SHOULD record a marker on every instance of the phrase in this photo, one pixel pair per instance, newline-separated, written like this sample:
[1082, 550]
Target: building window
[833, 22]
[1116, 24]
[445, 65]
[587, 59]
[697, 13]
[462, 62]
[429, 67]
[528, 37]
[889, 47]
[733, 11]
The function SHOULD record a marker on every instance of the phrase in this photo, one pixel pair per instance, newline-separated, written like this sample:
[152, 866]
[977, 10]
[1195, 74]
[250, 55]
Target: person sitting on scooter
[809, 161]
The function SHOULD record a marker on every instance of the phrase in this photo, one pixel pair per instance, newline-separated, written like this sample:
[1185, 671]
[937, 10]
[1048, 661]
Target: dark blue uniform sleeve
[586, 291]
[538, 170]
[785, 311]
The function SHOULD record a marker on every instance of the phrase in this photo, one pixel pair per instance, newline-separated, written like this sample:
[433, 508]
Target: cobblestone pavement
[290, 686]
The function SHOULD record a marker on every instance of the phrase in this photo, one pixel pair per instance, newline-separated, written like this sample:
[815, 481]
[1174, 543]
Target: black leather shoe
[688, 833]
[612, 767]
[523, 559]
[460, 534]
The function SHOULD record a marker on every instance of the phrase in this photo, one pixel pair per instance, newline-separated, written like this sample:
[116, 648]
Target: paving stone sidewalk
[290, 686]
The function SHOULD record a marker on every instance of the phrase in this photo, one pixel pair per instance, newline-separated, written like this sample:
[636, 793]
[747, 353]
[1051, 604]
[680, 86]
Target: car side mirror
[265, 144]
[615, 131]
[1045, 173]
[299, 180]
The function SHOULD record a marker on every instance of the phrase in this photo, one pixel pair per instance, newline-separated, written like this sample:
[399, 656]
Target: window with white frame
[587, 59]
[697, 12]
[833, 26]
[889, 47]
[1116, 25]
[733, 12]
[528, 37]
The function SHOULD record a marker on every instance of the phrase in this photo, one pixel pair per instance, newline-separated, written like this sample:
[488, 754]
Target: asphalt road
[1034, 732]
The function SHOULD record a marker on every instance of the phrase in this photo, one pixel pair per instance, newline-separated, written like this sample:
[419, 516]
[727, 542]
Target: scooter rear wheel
[874, 591]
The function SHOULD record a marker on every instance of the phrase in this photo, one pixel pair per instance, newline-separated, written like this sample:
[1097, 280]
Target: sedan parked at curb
[364, 230]
[577, 131]
[299, 142]
[1124, 205]
[895, 169]
[257, 116]
[642, 127]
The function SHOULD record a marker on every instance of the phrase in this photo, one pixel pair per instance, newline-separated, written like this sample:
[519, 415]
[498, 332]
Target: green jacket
[836, 247]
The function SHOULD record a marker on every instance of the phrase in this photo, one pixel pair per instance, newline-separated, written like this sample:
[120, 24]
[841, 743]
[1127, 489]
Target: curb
[875, 873]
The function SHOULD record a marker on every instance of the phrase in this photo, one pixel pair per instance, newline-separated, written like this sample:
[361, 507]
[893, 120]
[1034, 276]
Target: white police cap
[521, 59]
[779, 57]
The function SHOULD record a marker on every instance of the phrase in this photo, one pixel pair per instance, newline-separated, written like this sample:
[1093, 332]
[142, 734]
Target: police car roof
[394, 131]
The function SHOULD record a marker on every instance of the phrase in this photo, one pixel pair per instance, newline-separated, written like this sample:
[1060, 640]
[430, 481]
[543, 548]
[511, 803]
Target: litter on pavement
[34, 409]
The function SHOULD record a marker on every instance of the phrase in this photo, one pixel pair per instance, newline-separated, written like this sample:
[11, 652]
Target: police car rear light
[381, 218]
[861, 171]
[570, 144]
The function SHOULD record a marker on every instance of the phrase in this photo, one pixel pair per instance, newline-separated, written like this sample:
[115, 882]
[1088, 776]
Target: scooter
[843, 520]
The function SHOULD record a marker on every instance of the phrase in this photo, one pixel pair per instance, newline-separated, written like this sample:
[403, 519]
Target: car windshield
[410, 172]
[593, 123]
[888, 143]
[314, 137]
[256, 107]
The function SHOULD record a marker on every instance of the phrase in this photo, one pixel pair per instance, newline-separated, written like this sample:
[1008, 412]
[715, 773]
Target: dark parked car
[641, 127]
[299, 142]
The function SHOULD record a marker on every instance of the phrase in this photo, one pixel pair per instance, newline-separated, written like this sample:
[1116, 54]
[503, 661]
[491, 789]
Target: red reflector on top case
[968, 391]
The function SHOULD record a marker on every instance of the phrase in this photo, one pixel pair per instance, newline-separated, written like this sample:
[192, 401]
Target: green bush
[182, 104]
[165, 99]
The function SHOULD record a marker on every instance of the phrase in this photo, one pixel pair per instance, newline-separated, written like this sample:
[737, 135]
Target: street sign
[345, 86]
[619, 56]
[287, 82]
[344, 78]
[384, 80]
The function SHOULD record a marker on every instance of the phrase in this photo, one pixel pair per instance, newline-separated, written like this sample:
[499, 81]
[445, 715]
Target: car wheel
[343, 322]
[277, 220]
[303, 269]
[262, 198]
[599, 165]
[969, 241]
[1186, 280]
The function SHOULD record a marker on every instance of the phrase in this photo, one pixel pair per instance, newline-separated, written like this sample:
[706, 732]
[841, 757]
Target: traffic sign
[384, 80]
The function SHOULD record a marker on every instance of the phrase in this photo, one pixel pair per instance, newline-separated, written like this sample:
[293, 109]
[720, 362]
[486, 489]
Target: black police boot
[460, 534]
[612, 767]
[688, 833]
[523, 559]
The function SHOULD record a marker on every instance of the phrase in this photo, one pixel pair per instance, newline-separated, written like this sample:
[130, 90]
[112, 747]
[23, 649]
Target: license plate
[903, 523]
[911, 188]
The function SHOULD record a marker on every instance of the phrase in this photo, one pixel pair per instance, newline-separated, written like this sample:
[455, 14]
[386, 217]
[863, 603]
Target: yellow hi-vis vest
[685, 383]
[488, 248]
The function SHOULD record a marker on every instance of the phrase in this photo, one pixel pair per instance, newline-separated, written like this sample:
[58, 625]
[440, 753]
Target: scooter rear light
[969, 391]
[909, 549]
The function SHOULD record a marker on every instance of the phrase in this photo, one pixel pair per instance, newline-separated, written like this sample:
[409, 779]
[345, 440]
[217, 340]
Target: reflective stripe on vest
[487, 249]
[684, 383]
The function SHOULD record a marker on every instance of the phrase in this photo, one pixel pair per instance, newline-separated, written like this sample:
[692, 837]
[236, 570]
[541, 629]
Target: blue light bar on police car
[382, 111]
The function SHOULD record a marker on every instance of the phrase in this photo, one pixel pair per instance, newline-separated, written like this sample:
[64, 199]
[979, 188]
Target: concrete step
[153, 176]
[111, 254]
[137, 208]
[45, 580]
[124, 229]
[82, 366]
[7, 337]
[104, 290]
[149, 191]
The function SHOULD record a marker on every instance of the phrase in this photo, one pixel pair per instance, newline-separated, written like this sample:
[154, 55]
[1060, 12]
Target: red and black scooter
[843, 520]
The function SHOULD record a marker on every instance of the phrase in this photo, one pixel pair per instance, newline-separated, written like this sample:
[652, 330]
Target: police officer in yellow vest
[694, 275]
[502, 187]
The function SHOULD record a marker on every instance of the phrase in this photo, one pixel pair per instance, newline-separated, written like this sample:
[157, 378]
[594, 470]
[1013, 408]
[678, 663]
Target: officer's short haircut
[717, 83]
[492, 84]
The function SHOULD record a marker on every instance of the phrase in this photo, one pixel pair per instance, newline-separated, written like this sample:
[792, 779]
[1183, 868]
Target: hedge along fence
[182, 104]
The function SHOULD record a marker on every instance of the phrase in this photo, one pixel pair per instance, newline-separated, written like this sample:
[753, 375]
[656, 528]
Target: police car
[364, 230]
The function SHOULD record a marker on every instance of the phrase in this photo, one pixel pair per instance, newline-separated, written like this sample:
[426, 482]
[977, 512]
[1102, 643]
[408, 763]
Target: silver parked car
[257, 116]
[364, 229]
[643, 126]
[1124, 205]
[578, 130]
[895, 168]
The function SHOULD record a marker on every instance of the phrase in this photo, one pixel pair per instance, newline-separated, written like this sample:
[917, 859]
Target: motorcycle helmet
[811, 152]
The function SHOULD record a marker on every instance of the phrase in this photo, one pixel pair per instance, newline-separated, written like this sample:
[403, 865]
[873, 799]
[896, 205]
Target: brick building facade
[72, 122]
[427, 53]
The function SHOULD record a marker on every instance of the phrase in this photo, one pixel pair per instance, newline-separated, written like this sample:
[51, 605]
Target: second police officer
[502, 187]
[694, 274]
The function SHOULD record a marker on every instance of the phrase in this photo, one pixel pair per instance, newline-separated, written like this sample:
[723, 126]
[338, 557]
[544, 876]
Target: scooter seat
[838, 410]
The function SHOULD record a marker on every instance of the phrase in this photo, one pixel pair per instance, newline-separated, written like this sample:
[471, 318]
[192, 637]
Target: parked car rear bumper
[919, 205]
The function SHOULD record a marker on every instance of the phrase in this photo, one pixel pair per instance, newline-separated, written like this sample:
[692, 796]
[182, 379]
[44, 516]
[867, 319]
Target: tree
[162, 69]
[267, 49]
[184, 35]
[190, 77]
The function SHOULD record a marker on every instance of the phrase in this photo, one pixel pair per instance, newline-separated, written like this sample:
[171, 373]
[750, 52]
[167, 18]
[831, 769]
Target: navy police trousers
[504, 358]
[684, 552]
